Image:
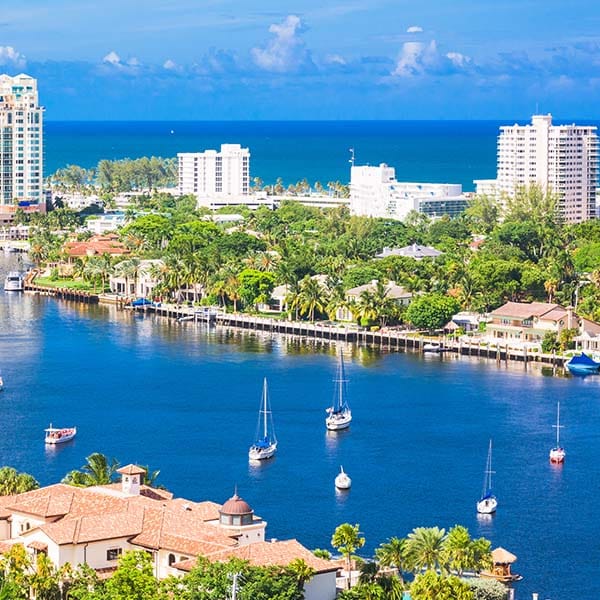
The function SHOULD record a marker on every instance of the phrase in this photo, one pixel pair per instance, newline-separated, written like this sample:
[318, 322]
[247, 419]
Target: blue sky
[341, 59]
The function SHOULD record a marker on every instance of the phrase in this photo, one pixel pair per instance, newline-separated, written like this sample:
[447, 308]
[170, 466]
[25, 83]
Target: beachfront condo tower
[211, 174]
[21, 144]
[560, 158]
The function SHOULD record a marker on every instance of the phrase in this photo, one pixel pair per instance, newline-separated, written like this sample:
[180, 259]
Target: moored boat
[582, 364]
[339, 415]
[14, 282]
[265, 445]
[55, 435]
[1, 383]
[343, 481]
[557, 454]
[488, 503]
[433, 347]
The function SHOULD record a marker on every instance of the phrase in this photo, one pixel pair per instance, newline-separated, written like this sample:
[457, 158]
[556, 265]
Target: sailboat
[339, 415]
[342, 480]
[265, 445]
[488, 502]
[557, 454]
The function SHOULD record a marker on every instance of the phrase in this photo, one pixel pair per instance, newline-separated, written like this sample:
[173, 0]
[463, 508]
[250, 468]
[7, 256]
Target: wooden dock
[62, 293]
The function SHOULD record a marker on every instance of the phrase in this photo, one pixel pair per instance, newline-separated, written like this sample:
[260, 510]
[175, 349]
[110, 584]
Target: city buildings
[560, 158]
[212, 175]
[21, 145]
[374, 192]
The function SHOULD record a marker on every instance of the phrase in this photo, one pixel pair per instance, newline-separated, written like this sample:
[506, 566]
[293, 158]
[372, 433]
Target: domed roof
[236, 506]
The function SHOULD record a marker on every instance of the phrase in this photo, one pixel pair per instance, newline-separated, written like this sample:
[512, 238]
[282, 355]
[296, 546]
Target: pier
[386, 339]
[62, 293]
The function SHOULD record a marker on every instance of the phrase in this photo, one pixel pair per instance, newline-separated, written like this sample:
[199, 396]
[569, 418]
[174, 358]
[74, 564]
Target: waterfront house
[96, 525]
[97, 245]
[588, 339]
[465, 320]
[140, 286]
[528, 322]
[415, 251]
[395, 292]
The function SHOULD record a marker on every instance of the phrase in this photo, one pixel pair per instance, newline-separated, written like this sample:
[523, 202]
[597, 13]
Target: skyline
[347, 60]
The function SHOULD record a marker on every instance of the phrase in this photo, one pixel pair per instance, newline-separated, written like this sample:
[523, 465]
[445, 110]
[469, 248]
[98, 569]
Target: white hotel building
[215, 177]
[560, 158]
[21, 143]
[374, 192]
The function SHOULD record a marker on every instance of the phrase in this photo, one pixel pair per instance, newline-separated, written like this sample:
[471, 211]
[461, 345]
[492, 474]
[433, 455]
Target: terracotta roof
[591, 328]
[5, 547]
[236, 506]
[131, 470]
[525, 310]
[37, 545]
[262, 554]
[502, 557]
[97, 244]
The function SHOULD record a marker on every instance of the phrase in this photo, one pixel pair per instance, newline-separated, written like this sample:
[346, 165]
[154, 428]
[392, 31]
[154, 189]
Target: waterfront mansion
[95, 525]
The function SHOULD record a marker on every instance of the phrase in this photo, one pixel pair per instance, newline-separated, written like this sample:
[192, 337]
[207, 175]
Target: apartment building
[561, 158]
[374, 192]
[21, 143]
[211, 174]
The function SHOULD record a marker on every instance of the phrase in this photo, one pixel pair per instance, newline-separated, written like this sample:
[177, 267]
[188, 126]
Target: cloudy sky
[315, 59]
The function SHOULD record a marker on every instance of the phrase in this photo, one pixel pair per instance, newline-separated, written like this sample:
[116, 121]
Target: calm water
[430, 151]
[185, 400]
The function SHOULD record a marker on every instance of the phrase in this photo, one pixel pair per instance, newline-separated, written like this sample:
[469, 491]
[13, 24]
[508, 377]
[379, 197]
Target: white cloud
[335, 59]
[112, 58]
[419, 58]
[170, 65]
[9, 56]
[414, 29]
[458, 60]
[286, 51]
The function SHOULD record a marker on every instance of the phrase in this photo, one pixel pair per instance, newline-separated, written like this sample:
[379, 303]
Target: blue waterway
[430, 151]
[185, 400]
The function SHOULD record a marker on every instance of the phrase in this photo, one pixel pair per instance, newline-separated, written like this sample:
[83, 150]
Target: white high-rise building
[212, 174]
[374, 192]
[21, 142]
[561, 158]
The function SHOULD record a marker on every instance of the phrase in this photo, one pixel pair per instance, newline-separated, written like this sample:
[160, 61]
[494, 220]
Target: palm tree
[393, 554]
[128, 269]
[347, 540]
[13, 482]
[458, 551]
[424, 548]
[301, 571]
[98, 470]
[311, 297]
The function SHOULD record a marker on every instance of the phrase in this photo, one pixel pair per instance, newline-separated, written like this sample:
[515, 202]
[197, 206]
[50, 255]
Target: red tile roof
[526, 310]
[96, 245]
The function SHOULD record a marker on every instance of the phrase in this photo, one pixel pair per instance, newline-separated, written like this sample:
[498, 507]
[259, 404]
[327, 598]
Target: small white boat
[342, 481]
[185, 319]
[55, 435]
[339, 415]
[265, 445]
[488, 503]
[557, 454]
[13, 282]
[433, 347]
[1, 383]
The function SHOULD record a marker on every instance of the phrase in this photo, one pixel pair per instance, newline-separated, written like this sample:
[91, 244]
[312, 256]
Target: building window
[113, 553]
[171, 559]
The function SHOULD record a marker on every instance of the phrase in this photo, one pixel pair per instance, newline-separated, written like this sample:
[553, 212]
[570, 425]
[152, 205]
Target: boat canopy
[583, 360]
[264, 443]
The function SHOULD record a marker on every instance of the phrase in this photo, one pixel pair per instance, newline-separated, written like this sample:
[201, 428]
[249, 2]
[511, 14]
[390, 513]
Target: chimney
[570, 319]
[131, 479]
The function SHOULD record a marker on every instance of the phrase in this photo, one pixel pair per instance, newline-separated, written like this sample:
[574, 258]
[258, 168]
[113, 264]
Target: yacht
[14, 282]
[55, 435]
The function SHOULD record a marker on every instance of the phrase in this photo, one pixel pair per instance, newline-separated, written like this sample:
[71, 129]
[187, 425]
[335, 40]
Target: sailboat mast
[340, 382]
[265, 407]
[558, 425]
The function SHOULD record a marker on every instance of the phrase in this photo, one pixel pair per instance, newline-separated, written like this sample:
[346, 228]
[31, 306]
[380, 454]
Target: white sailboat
[343, 481]
[265, 445]
[488, 502]
[557, 454]
[339, 415]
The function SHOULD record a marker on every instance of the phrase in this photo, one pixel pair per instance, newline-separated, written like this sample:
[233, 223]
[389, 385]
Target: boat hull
[343, 482]
[557, 455]
[256, 453]
[487, 506]
[13, 282]
[337, 421]
[60, 436]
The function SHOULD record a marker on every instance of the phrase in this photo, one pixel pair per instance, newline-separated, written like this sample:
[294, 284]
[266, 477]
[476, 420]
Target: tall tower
[21, 142]
[560, 158]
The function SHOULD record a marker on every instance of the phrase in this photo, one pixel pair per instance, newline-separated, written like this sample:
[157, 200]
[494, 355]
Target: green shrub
[487, 589]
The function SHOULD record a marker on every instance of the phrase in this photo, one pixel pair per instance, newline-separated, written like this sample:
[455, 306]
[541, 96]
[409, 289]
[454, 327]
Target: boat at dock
[557, 454]
[265, 445]
[55, 435]
[343, 481]
[339, 415]
[582, 364]
[433, 347]
[14, 282]
[488, 503]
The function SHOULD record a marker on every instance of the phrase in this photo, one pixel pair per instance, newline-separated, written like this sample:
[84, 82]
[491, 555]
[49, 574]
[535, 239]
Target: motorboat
[14, 282]
[339, 415]
[433, 347]
[582, 364]
[1, 383]
[557, 454]
[488, 503]
[141, 302]
[343, 481]
[55, 435]
[265, 445]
